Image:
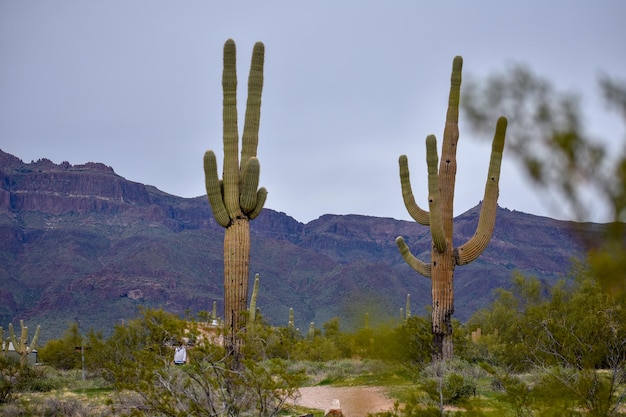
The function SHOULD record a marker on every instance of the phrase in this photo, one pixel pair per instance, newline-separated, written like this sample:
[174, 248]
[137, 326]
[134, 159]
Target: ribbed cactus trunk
[236, 268]
[442, 303]
[440, 216]
[236, 199]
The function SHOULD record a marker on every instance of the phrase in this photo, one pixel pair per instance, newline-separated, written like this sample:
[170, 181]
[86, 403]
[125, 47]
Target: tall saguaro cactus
[439, 217]
[235, 199]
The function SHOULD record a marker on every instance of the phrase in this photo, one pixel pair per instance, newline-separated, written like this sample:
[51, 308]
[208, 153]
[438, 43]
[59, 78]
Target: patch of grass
[350, 372]
[387, 378]
[95, 392]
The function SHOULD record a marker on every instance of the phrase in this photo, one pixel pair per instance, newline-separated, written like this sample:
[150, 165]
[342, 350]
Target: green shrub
[450, 382]
[14, 378]
[457, 388]
[61, 353]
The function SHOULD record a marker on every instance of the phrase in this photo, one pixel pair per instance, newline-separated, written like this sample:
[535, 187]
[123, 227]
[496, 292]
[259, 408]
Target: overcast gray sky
[349, 86]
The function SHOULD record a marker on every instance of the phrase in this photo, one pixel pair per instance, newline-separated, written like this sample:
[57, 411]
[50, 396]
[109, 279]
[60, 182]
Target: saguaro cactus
[235, 200]
[214, 311]
[21, 345]
[408, 307]
[2, 342]
[255, 294]
[439, 217]
[291, 325]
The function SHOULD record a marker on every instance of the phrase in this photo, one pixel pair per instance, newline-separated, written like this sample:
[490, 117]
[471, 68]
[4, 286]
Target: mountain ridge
[81, 243]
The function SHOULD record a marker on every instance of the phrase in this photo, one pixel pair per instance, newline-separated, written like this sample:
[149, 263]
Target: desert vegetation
[539, 351]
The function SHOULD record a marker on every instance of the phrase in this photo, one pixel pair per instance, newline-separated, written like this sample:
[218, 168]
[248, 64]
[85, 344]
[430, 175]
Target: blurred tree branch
[547, 134]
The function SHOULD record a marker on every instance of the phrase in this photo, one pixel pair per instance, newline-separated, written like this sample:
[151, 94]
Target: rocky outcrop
[64, 188]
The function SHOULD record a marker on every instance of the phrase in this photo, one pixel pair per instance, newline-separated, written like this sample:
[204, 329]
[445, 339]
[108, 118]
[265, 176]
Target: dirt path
[355, 401]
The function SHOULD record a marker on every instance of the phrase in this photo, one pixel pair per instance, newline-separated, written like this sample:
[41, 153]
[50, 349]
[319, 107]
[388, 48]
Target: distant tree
[564, 336]
[61, 353]
[137, 348]
[413, 341]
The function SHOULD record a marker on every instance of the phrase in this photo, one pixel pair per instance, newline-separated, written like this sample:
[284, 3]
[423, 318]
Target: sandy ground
[355, 401]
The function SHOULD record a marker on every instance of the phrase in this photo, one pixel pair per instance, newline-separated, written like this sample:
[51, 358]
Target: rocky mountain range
[81, 243]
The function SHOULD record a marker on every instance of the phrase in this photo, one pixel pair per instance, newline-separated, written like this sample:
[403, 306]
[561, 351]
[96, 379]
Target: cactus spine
[21, 345]
[235, 200]
[439, 217]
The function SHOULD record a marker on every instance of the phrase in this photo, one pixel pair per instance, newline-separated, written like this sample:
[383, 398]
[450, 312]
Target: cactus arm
[418, 214]
[448, 164]
[214, 189]
[236, 195]
[436, 224]
[12, 337]
[260, 201]
[23, 337]
[249, 184]
[231, 133]
[419, 266]
[33, 342]
[250, 138]
[486, 222]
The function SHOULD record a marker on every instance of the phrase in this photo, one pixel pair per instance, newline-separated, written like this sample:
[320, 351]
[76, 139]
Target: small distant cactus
[408, 307]
[3, 342]
[291, 324]
[21, 345]
[255, 293]
[311, 330]
[214, 311]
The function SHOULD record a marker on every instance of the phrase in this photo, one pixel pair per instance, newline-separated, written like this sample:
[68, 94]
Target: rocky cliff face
[79, 242]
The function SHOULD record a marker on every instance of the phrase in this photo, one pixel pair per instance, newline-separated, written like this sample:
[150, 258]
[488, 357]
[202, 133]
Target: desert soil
[354, 401]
